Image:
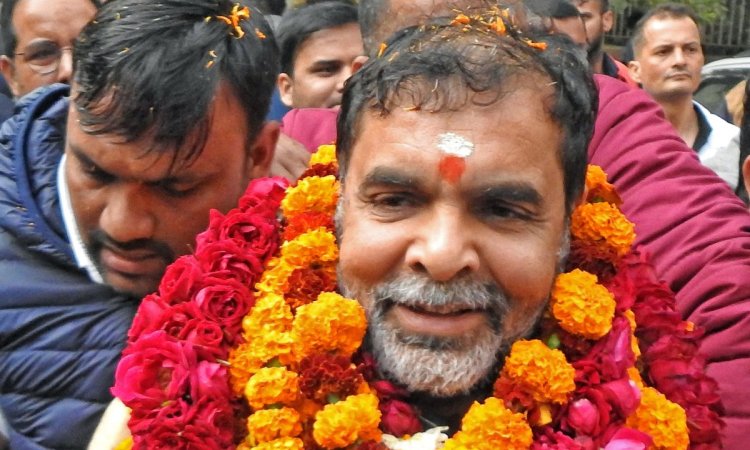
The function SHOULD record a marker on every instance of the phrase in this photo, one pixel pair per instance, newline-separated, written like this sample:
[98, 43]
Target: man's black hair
[438, 67]
[663, 11]
[145, 68]
[7, 32]
[298, 24]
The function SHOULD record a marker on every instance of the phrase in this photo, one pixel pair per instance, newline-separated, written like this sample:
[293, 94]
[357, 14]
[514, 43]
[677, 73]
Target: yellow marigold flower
[491, 426]
[539, 370]
[332, 324]
[274, 279]
[271, 385]
[326, 154]
[270, 314]
[598, 189]
[318, 194]
[663, 420]
[581, 305]
[285, 443]
[317, 246]
[269, 424]
[603, 230]
[341, 424]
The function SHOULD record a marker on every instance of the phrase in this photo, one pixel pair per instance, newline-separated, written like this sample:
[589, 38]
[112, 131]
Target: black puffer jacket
[60, 334]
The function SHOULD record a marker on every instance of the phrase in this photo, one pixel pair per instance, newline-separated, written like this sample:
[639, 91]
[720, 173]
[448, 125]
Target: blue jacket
[61, 335]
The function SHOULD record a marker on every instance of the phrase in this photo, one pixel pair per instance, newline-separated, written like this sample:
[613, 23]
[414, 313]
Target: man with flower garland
[692, 225]
[460, 201]
[99, 193]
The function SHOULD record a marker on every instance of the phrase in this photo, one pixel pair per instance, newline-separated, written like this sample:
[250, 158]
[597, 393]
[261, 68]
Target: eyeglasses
[43, 57]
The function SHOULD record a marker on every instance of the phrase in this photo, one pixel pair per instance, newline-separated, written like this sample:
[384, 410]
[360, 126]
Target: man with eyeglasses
[38, 38]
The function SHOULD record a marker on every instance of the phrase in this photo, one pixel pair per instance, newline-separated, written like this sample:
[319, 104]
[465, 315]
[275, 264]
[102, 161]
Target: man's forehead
[655, 30]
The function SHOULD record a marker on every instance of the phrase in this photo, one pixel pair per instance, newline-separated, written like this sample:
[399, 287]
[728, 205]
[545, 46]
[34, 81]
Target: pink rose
[583, 416]
[154, 369]
[628, 439]
[181, 280]
[623, 395]
[399, 418]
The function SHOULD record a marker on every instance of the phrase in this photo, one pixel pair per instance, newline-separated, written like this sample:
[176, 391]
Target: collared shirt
[82, 257]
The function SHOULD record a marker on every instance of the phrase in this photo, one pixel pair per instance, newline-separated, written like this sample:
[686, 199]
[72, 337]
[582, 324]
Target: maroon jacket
[695, 229]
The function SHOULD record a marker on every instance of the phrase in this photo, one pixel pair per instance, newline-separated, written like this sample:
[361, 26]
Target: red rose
[226, 259]
[181, 280]
[226, 302]
[264, 195]
[148, 318]
[628, 439]
[153, 370]
[548, 439]
[613, 353]
[253, 232]
[399, 418]
[207, 337]
[623, 395]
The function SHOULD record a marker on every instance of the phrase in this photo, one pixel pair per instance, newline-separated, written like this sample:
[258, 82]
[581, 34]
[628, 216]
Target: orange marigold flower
[602, 231]
[304, 222]
[491, 426]
[581, 305]
[269, 424]
[243, 363]
[598, 189]
[318, 194]
[285, 443]
[305, 284]
[539, 370]
[635, 377]
[326, 154]
[316, 248]
[663, 420]
[331, 324]
[341, 424]
[271, 385]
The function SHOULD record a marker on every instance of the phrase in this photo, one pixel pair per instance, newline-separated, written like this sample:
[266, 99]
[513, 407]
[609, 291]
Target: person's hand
[290, 159]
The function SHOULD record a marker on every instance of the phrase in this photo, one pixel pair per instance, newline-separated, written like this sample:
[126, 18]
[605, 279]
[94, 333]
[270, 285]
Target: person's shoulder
[716, 122]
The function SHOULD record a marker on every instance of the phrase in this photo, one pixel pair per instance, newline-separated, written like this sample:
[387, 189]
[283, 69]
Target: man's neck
[597, 62]
[446, 411]
[681, 115]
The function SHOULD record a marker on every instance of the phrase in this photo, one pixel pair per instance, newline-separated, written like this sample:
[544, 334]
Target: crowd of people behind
[125, 122]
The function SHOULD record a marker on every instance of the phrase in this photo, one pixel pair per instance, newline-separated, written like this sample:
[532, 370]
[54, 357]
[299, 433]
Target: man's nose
[345, 74]
[443, 248]
[65, 69]
[679, 57]
[128, 214]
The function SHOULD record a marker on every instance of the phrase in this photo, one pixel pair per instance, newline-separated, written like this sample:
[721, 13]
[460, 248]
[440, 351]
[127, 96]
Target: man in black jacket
[101, 190]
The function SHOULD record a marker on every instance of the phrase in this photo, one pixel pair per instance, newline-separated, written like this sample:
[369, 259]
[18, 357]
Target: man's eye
[392, 200]
[175, 192]
[499, 210]
[97, 174]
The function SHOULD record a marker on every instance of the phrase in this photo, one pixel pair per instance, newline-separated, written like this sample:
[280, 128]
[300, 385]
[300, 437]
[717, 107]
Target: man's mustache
[98, 239]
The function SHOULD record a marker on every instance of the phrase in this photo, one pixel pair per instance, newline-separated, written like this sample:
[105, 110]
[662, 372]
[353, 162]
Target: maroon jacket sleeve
[693, 226]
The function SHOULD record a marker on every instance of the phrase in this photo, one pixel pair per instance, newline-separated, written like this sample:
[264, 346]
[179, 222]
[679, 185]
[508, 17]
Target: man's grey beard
[440, 366]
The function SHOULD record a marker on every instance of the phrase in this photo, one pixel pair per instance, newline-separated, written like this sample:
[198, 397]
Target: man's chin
[132, 286]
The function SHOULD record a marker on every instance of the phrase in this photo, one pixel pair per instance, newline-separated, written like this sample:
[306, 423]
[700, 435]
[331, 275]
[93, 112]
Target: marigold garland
[285, 369]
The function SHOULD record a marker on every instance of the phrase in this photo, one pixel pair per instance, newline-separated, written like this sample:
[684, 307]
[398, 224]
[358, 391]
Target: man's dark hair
[7, 32]
[145, 68]
[298, 24]
[663, 11]
[439, 67]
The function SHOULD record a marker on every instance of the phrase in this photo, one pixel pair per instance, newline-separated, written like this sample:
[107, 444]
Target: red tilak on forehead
[452, 168]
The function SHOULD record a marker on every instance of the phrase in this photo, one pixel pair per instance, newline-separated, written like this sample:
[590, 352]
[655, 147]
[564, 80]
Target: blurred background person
[318, 44]
[668, 58]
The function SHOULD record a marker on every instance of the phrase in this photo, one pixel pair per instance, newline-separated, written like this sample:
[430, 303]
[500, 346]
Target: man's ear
[358, 62]
[261, 153]
[634, 69]
[608, 21]
[286, 88]
[8, 70]
[746, 173]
